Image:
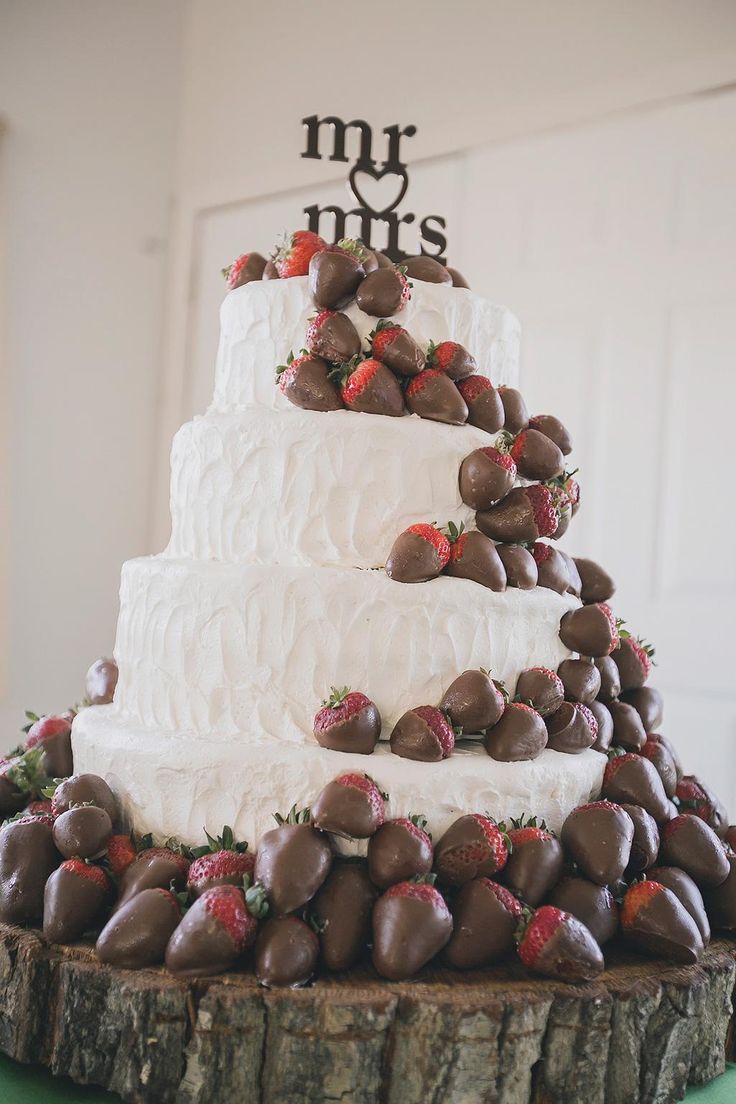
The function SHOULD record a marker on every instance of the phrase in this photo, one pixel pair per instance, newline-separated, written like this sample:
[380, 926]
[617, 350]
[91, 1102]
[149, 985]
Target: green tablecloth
[32, 1085]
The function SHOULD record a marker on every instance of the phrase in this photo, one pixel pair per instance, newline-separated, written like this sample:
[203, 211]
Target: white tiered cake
[269, 593]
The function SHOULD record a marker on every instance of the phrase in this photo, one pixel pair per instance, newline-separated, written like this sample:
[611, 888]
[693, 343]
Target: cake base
[638, 1035]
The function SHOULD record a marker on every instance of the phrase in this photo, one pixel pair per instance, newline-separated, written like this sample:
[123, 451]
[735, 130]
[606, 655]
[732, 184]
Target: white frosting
[262, 322]
[301, 487]
[178, 786]
[226, 651]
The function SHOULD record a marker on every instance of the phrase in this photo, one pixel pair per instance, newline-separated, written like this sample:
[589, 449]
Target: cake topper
[364, 176]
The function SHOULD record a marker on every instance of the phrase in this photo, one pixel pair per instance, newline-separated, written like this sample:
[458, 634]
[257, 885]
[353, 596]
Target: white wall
[88, 99]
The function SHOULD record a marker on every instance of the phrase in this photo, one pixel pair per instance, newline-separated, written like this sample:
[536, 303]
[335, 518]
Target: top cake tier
[262, 322]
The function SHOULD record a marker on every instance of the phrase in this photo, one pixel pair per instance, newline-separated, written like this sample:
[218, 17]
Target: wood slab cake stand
[638, 1035]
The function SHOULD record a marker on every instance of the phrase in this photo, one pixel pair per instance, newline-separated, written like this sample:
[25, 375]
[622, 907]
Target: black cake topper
[365, 174]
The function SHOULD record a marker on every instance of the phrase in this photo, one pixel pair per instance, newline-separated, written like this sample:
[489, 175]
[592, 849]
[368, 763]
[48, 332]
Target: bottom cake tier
[178, 786]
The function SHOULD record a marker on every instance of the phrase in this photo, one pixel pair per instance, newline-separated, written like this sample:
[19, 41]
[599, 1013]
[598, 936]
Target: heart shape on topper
[387, 190]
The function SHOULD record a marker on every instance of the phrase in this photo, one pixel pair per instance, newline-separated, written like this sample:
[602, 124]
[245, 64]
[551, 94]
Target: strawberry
[384, 292]
[347, 721]
[486, 476]
[515, 413]
[137, 935]
[631, 780]
[590, 631]
[121, 852]
[485, 917]
[418, 554]
[654, 920]
[82, 789]
[411, 924]
[552, 571]
[473, 845]
[334, 276]
[286, 953]
[554, 429]
[593, 905]
[216, 931]
[332, 336]
[74, 897]
[397, 349]
[633, 657]
[21, 777]
[485, 409]
[293, 861]
[690, 844]
[39, 808]
[351, 806]
[571, 729]
[525, 514]
[596, 585]
[341, 912]
[305, 381]
[519, 735]
[649, 704]
[433, 395]
[27, 858]
[518, 563]
[598, 837]
[371, 388]
[693, 796]
[628, 731]
[293, 255]
[557, 945]
[453, 360]
[223, 861]
[154, 867]
[535, 455]
[244, 269]
[659, 755]
[82, 832]
[473, 702]
[423, 734]
[535, 863]
[101, 680]
[581, 679]
[474, 556]
[401, 849]
[541, 688]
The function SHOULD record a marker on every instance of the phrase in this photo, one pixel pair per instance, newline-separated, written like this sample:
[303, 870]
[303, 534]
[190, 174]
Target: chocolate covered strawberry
[305, 381]
[82, 832]
[396, 348]
[597, 584]
[649, 704]
[458, 280]
[519, 735]
[485, 917]
[293, 861]
[472, 846]
[154, 867]
[552, 571]
[633, 657]
[645, 844]
[424, 734]
[401, 849]
[572, 729]
[451, 359]
[418, 554]
[721, 900]
[384, 292]
[411, 924]
[486, 476]
[659, 756]
[628, 731]
[598, 838]
[610, 686]
[433, 395]
[525, 514]
[574, 586]
[553, 428]
[474, 556]
[341, 912]
[654, 920]
[21, 776]
[485, 409]
[604, 720]
[216, 931]
[555, 944]
[27, 858]
[581, 680]
[427, 269]
[693, 796]
[631, 779]
[54, 735]
[137, 935]
[351, 806]
[347, 721]
[535, 863]
[244, 269]
[334, 276]
[332, 336]
[687, 893]
[590, 631]
[515, 413]
[286, 953]
[473, 702]
[689, 843]
[74, 897]
[84, 789]
[224, 861]
[369, 387]
[293, 255]
[121, 852]
[593, 905]
[519, 565]
[101, 681]
[542, 689]
[564, 513]
[535, 456]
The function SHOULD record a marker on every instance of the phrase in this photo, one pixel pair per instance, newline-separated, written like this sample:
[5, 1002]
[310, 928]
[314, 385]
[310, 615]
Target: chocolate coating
[599, 837]
[485, 409]
[666, 929]
[649, 704]
[687, 893]
[311, 388]
[413, 738]
[636, 782]
[605, 726]
[483, 482]
[337, 340]
[581, 679]
[721, 901]
[610, 682]
[148, 872]
[659, 755]
[251, 270]
[483, 928]
[358, 734]
[396, 853]
[463, 853]
[71, 905]
[575, 584]
[381, 395]
[551, 568]
[270, 272]
[12, 799]
[645, 845]
[334, 278]
[511, 520]
[632, 674]
[553, 428]
[473, 702]
[83, 832]
[138, 934]
[479, 561]
[439, 400]
[428, 269]
[381, 259]
[57, 755]
[539, 457]
[85, 789]
[292, 862]
[200, 946]
[516, 414]
[407, 934]
[587, 631]
[593, 905]
[380, 293]
[628, 731]
[568, 730]
[534, 867]
[413, 559]
[570, 953]
[346, 811]
[27, 858]
[598, 586]
[519, 566]
[690, 844]
[541, 689]
[458, 280]
[519, 735]
[403, 356]
[101, 680]
[286, 953]
[343, 909]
